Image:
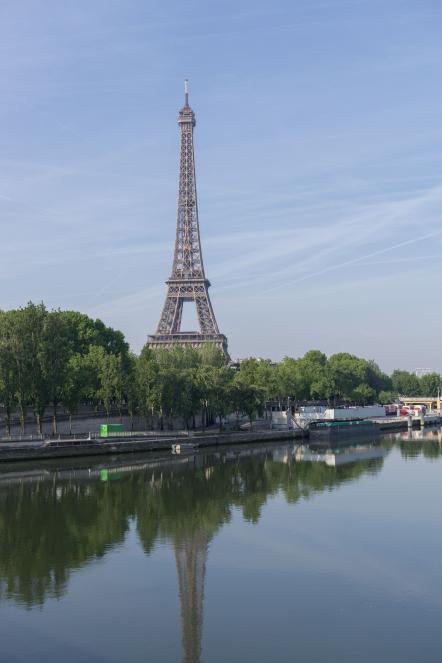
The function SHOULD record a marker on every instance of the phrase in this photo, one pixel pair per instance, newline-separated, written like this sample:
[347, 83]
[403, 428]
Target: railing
[153, 433]
[95, 436]
[29, 437]
[300, 423]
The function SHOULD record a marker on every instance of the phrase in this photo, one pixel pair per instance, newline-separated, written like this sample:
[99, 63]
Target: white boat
[181, 447]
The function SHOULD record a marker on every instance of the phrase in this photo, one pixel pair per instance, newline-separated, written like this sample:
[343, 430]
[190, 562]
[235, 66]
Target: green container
[104, 475]
[105, 429]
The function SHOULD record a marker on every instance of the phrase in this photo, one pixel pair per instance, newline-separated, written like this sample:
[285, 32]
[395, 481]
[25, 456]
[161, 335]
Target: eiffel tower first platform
[188, 282]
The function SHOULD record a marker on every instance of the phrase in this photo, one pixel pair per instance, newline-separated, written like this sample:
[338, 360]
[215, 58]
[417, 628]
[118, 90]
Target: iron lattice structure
[188, 282]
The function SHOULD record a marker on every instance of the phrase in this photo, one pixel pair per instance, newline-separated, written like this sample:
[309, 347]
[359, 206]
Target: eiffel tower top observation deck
[187, 282]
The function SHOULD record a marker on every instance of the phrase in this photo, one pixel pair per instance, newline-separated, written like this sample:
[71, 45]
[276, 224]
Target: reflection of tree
[430, 448]
[51, 527]
[48, 529]
[413, 443]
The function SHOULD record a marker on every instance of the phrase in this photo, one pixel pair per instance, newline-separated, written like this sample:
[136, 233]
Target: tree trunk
[251, 421]
[193, 422]
[54, 418]
[70, 423]
[22, 419]
[8, 421]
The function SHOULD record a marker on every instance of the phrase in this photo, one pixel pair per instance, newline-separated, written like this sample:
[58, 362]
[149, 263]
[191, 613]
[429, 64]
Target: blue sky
[319, 166]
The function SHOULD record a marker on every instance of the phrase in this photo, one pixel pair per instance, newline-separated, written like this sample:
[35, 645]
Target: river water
[263, 554]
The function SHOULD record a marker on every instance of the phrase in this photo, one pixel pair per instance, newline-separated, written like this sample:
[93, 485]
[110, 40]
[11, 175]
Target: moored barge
[339, 428]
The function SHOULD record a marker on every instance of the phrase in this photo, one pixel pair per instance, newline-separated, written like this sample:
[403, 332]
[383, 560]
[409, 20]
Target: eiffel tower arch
[187, 282]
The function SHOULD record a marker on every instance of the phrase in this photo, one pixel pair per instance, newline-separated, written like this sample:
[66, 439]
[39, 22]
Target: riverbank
[14, 451]
[402, 423]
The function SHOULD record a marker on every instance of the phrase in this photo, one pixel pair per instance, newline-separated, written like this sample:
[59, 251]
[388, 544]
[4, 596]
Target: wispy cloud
[285, 257]
[317, 167]
[361, 259]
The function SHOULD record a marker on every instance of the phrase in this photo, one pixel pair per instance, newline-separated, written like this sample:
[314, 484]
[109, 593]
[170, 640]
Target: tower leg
[170, 320]
[205, 314]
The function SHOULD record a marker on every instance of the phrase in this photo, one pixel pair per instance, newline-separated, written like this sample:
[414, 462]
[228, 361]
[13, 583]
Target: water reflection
[334, 457]
[191, 554]
[421, 442]
[54, 520]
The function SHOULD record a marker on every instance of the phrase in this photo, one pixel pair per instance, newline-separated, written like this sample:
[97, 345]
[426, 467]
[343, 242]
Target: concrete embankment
[11, 451]
[402, 423]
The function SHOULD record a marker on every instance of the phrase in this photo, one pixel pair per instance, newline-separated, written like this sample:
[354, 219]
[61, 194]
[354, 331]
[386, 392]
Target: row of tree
[49, 358]
[342, 377]
[184, 382]
[53, 357]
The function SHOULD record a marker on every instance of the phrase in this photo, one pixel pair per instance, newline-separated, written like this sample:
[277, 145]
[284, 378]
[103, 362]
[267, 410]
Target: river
[262, 553]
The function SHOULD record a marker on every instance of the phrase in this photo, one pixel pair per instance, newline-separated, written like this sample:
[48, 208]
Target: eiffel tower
[188, 282]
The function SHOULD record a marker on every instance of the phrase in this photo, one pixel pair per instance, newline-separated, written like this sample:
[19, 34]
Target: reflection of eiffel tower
[190, 555]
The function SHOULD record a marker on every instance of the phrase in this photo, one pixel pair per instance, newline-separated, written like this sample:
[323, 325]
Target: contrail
[354, 261]
[395, 261]
[39, 210]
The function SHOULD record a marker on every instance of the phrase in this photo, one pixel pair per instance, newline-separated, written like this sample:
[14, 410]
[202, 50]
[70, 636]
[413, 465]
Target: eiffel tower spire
[187, 282]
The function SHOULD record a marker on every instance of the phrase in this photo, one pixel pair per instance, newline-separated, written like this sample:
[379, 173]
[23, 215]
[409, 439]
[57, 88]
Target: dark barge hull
[322, 430]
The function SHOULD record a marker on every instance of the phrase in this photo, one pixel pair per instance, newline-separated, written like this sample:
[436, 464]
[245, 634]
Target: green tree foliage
[109, 377]
[182, 381]
[54, 358]
[107, 367]
[405, 383]
[385, 397]
[314, 373]
[290, 380]
[54, 354]
[262, 374]
[219, 382]
[364, 394]
[348, 372]
[211, 355]
[130, 385]
[430, 385]
[31, 321]
[342, 377]
[147, 378]
[78, 378]
[247, 398]
[8, 376]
